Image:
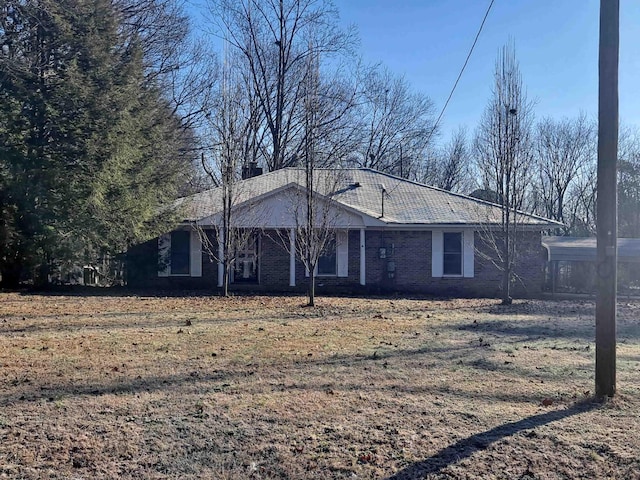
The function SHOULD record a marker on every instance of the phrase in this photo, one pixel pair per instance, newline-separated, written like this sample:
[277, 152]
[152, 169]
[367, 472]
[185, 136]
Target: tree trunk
[225, 280]
[506, 274]
[506, 285]
[312, 290]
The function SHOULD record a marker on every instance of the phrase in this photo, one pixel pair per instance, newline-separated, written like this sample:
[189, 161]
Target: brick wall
[142, 269]
[407, 262]
[530, 265]
[273, 260]
[408, 251]
[274, 266]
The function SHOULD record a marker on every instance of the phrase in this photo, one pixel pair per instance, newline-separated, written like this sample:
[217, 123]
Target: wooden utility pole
[607, 221]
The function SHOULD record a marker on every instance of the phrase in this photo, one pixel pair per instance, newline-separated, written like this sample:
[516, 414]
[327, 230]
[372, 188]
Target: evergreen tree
[90, 151]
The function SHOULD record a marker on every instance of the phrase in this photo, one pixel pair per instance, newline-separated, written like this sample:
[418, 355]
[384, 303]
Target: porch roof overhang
[584, 249]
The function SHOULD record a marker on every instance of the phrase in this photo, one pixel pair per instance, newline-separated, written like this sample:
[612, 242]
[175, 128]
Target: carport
[571, 250]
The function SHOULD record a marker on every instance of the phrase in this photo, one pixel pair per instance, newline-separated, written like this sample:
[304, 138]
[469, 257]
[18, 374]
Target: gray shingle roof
[585, 249]
[405, 202]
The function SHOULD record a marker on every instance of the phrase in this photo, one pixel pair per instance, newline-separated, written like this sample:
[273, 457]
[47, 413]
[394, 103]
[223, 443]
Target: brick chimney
[251, 170]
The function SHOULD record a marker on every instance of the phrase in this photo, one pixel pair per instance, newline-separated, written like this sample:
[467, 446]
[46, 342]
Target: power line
[461, 72]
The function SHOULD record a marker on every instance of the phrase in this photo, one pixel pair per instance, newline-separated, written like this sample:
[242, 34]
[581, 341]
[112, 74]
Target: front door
[245, 265]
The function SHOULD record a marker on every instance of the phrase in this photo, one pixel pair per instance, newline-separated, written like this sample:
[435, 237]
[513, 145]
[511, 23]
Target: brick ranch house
[390, 235]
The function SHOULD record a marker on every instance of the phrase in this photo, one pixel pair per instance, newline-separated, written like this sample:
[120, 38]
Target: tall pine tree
[89, 151]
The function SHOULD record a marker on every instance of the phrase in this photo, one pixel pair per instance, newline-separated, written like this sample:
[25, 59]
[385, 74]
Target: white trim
[363, 258]
[468, 258]
[342, 253]
[258, 256]
[468, 253]
[164, 255]
[437, 253]
[195, 254]
[292, 257]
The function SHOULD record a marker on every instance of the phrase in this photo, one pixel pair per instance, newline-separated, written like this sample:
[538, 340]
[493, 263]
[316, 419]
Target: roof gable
[284, 207]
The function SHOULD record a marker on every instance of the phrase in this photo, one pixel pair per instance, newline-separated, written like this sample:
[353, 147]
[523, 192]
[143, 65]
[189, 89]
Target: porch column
[220, 256]
[363, 259]
[292, 258]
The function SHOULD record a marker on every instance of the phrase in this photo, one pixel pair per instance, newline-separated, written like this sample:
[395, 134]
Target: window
[452, 253]
[452, 258]
[245, 268]
[180, 247]
[327, 262]
[180, 254]
[334, 259]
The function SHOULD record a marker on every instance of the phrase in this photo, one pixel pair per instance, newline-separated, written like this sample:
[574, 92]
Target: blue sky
[556, 44]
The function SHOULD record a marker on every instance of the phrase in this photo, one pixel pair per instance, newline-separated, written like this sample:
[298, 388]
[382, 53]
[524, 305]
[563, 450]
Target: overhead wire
[464, 66]
[435, 125]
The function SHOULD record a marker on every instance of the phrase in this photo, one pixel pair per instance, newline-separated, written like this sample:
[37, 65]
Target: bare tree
[503, 147]
[581, 203]
[312, 209]
[316, 218]
[395, 124]
[312, 233]
[335, 131]
[449, 167]
[565, 152]
[234, 151]
[580, 206]
[300, 116]
[275, 39]
[629, 182]
[182, 66]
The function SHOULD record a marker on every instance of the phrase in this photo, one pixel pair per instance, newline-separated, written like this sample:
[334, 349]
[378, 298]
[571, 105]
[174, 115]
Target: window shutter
[342, 252]
[195, 254]
[437, 253]
[164, 255]
[469, 254]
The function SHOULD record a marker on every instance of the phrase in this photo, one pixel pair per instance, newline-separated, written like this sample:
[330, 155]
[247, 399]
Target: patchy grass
[262, 387]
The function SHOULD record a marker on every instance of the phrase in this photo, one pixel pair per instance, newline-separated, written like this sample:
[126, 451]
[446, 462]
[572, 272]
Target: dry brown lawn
[116, 386]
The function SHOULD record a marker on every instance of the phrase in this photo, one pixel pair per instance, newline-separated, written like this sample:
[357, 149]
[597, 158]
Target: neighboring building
[391, 235]
[572, 267]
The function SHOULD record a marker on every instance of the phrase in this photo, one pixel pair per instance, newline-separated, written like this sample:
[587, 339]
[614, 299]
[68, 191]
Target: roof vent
[383, 190]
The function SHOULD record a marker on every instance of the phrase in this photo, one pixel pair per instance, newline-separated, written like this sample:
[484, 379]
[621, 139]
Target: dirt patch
[262, 387]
